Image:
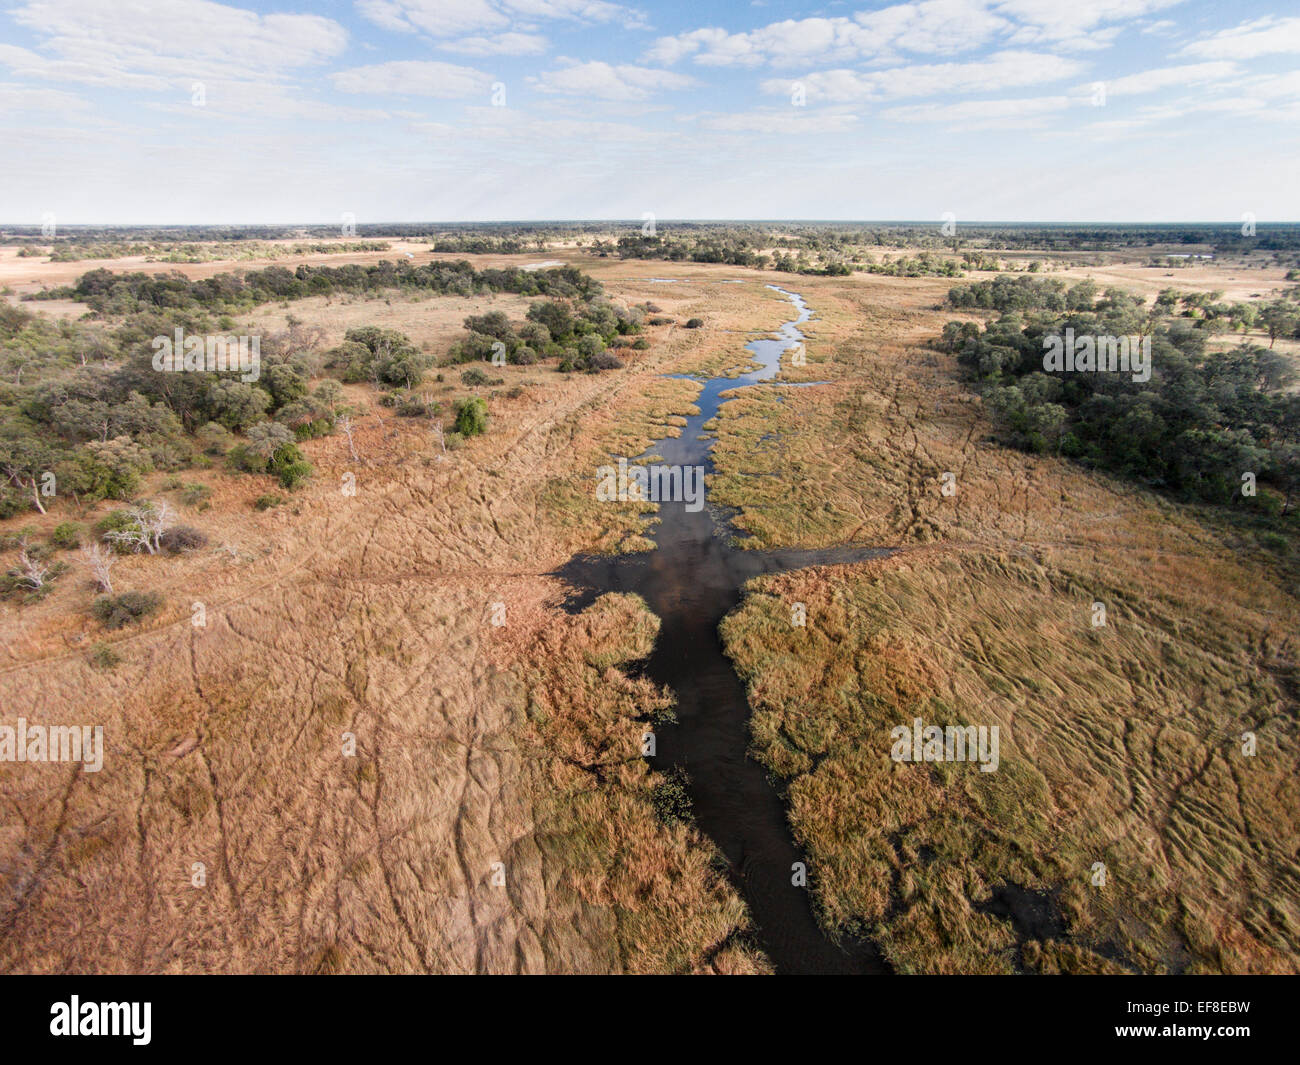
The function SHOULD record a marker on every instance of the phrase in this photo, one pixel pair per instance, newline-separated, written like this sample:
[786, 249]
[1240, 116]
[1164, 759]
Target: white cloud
[107, 71]
[500, 44]
[455, 18]
[780, 123]
[17, 99]
[929, 26]
[414, 77]
[1167, 77]
[1265, 36]
[153, 45]
[980, 111]
[1075, 23]
[603, 81]
[1002, 70]
[248, 102]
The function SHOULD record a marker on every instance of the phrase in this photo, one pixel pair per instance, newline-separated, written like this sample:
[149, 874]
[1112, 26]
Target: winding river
[692, 579]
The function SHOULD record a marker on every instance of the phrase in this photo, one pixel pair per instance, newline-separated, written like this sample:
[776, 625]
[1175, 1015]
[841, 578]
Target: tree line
[1214, 426]
[109, 293]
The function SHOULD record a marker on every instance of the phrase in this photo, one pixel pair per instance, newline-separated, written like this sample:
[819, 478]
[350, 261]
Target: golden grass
[1120, 745]
[367, 614]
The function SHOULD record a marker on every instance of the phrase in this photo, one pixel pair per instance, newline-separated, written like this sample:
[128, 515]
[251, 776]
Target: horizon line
[658, 221]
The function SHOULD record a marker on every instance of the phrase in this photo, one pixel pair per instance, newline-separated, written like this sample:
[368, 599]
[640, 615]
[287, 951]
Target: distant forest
[1202, 422]
[1225, 238]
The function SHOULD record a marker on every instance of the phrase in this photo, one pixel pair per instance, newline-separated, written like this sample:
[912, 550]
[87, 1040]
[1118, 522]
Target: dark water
[692, 580]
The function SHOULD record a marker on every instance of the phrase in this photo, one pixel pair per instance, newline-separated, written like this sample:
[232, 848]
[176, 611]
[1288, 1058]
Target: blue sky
[191, 111]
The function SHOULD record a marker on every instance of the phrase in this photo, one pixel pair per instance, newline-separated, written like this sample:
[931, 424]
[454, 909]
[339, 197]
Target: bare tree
[99, 563]
[29, 571]
[345, 427]
[148, 523]
[440, 437]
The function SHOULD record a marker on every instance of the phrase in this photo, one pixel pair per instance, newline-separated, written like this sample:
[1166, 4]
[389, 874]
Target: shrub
[671, 798]
[180, 538]
[312, 429]
[471, 417]
[237, 404]
[694, 323]
[38, 551]
[244, 459]
[412, 407]
[604, 360]
[589, 347]
[102, 656]
[12, 501]
[118, 611]
[192, 495]
[214, 439]
[106, 469]
[265, 438]
[474, 377]
[66, 535]
[290, 465]
[32, 579]
[117, 521]
[268, 501]
[1274, 541]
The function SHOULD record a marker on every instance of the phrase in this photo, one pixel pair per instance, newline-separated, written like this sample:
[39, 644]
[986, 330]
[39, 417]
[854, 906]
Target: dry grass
[477, 745]
[370, 615]
[1120, 745]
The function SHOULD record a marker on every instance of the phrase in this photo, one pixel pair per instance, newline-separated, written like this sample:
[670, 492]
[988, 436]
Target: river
[692, 579]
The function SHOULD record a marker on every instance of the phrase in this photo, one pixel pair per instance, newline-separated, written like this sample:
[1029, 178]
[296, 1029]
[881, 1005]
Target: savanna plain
[350, 727]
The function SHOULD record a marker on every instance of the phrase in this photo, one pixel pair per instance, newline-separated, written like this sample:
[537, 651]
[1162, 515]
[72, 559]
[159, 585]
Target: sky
[294, 111]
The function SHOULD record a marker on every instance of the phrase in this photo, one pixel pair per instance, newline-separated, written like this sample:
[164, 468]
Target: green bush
[290, 465]
[66, 535]
[268, 501]
[471, 416]
[118, 611]
[214, 439]
[102, 656]
[117, 521]
[245, 460]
